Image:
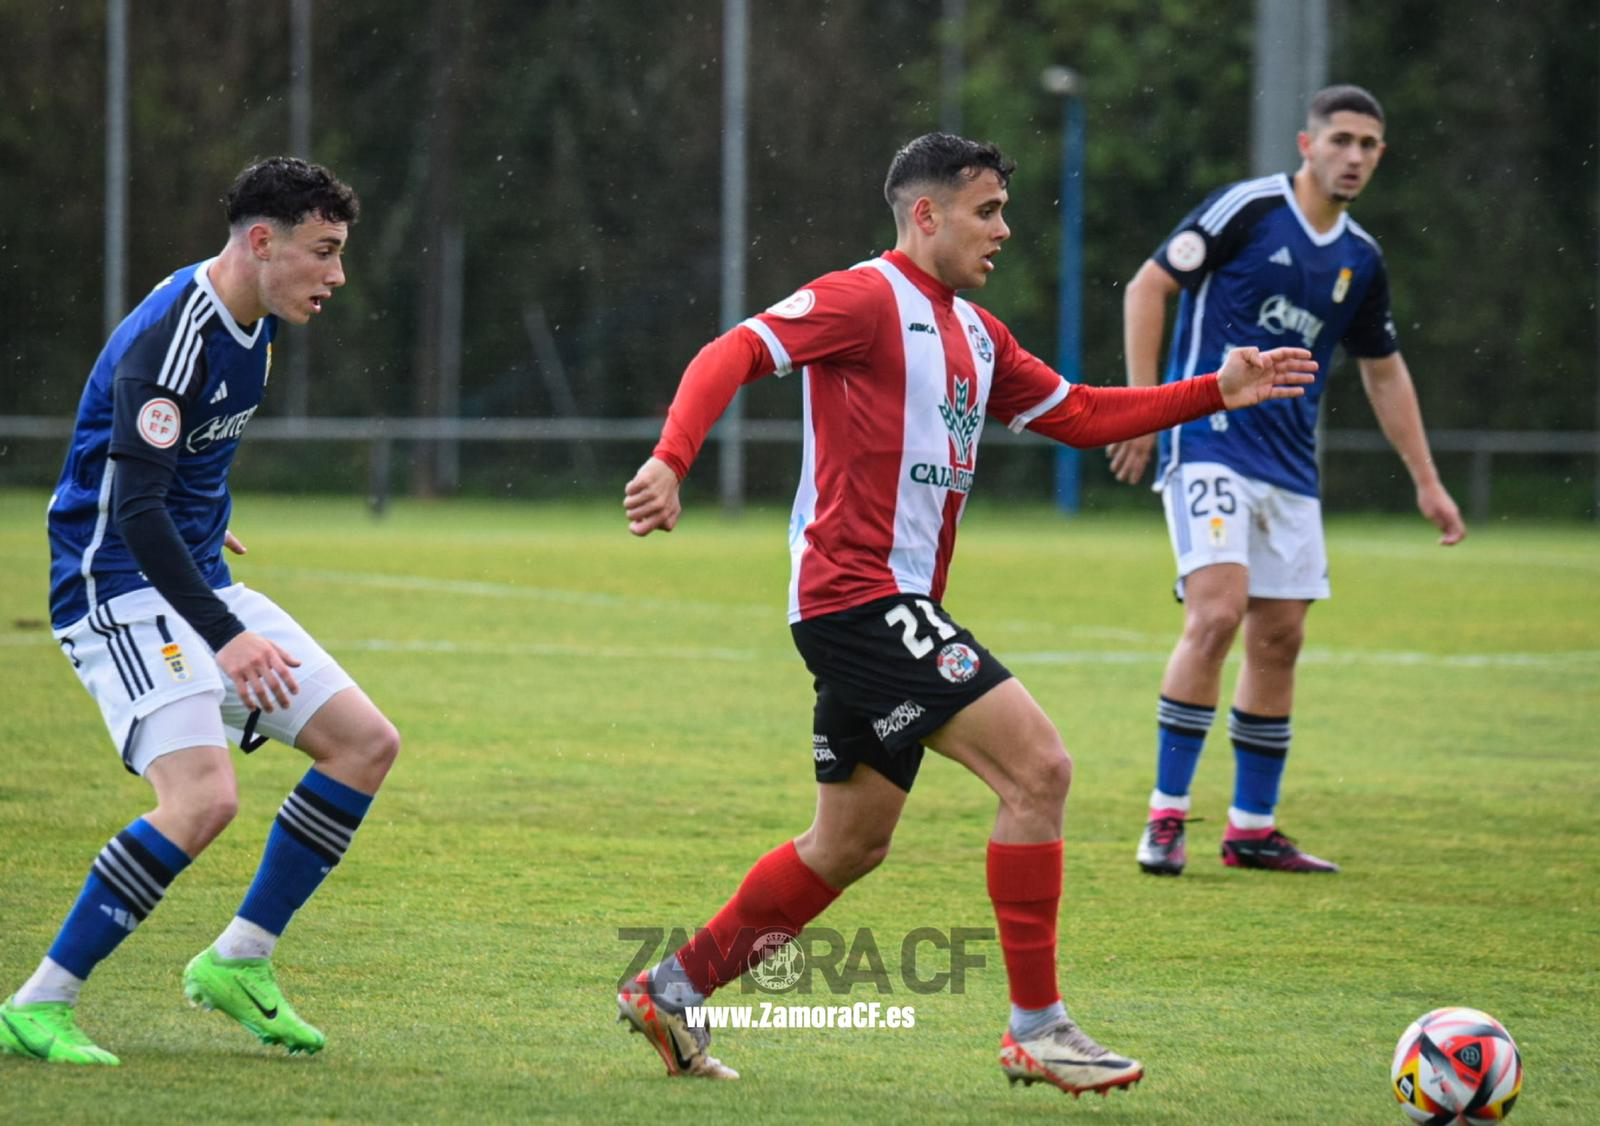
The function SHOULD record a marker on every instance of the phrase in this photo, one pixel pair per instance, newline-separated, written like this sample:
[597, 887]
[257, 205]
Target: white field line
[1496, 557]
[481, 589]
[1114, 646]
[1577, 660]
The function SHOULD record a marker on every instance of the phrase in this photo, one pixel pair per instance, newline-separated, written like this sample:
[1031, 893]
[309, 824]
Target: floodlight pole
[735, 49]
[116, 233]
[1066, 84]
[952, 25]
[298, 391]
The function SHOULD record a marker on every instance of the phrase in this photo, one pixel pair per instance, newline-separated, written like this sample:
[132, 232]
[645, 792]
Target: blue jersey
[1255, 272]
[175, 385]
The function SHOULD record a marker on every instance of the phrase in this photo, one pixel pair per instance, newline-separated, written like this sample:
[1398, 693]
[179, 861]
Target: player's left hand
[233, 543]
[651, 498]
[1250, 376]
[1435, 503]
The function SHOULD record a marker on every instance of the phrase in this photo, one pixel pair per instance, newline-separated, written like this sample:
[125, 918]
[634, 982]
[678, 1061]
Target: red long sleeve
[709, 383]
[1098, 416]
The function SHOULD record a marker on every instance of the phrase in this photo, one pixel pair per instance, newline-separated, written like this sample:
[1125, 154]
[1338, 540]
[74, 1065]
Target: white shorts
[136, 655]
[1217, 515]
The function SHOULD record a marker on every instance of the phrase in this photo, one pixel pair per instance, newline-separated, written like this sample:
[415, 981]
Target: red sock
[1025, 884]
[779, 894]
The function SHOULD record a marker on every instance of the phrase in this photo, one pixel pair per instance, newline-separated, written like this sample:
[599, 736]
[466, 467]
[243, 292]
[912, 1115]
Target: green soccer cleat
[48, 1031]
[247, 991]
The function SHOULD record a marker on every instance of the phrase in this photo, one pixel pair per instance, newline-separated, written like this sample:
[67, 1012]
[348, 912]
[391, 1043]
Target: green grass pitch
[603, 733]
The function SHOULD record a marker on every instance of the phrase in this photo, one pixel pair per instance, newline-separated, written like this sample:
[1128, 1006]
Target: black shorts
[888, 673]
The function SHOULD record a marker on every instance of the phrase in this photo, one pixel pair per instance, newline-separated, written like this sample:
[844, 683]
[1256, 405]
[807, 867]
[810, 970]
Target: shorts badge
[957, 663]
[173, 655]
[1219, 532]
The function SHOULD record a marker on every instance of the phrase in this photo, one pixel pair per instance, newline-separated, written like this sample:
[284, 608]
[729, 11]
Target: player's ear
[260, 236]
[1302, 142]
[925, 215]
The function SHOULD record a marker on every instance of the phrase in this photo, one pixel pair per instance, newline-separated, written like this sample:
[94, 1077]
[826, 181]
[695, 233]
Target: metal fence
[1482, 447]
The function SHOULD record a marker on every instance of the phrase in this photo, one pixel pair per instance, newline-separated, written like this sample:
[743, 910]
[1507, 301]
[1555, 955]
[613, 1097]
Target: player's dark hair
[1334, 99]
[287, 190]
[946, 160]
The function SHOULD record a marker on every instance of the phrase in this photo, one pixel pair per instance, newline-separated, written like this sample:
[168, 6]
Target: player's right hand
[1250, 376]
[1129, 458]
[259, 670]
[651, 498]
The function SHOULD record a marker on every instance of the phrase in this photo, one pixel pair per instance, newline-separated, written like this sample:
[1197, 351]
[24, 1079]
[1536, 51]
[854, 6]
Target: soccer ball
[1456, 1066]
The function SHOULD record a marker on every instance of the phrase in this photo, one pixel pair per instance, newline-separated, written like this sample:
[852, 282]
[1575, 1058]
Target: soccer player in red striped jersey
[898, 374]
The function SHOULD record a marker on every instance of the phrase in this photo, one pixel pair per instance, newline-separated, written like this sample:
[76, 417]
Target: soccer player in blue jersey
[1263, 263]
[179, 656]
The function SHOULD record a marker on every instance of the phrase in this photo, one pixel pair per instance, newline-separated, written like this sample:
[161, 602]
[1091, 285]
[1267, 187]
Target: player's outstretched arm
[1251, 376]
[651, 498]
[1144, 323]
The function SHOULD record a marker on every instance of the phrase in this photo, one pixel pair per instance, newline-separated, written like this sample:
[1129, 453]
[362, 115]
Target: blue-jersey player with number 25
[1261, 263]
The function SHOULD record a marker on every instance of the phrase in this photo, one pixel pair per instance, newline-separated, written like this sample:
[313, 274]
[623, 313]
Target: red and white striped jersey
[899, 374]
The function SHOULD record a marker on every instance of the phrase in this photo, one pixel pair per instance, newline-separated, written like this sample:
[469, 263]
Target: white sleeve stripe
[1214, 222]
[178, 367]
[196, 343]
[1230, 199]
[780, 355]
[179, 338]
[1016, 425]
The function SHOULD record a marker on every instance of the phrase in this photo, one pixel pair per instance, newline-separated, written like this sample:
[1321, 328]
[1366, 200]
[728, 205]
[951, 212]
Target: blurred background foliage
[576, 147]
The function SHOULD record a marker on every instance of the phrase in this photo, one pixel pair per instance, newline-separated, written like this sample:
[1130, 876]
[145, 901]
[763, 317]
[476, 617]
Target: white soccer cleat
[1065, 1057]
[682, 1049]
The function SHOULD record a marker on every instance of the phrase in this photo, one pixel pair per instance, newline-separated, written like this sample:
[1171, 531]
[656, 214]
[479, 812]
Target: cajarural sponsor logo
[1280, 315]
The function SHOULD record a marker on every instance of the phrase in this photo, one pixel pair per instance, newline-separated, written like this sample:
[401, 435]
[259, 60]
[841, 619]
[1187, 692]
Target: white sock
[49, 983]
[1239, 819]
[243, 939]
[1158, 800]
[1026, 1024]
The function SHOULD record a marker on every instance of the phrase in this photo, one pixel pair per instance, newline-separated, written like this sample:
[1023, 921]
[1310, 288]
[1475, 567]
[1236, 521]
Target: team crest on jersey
[173, 655]
[980, 344]
[159, 423]
[958, 663]
[794, 306]
[1342, 286]
[961, 419]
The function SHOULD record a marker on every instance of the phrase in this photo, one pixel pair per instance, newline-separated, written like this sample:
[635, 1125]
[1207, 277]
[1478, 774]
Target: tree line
[572, 150]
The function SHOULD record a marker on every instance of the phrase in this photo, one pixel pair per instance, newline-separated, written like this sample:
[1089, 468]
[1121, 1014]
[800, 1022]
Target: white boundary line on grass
[484, 589]
[1576, 659]
[1572, 660]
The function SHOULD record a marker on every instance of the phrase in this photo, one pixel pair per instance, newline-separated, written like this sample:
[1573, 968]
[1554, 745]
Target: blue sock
[1180, 737]
[1260, 748]
[125, 884]
[310, 836]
